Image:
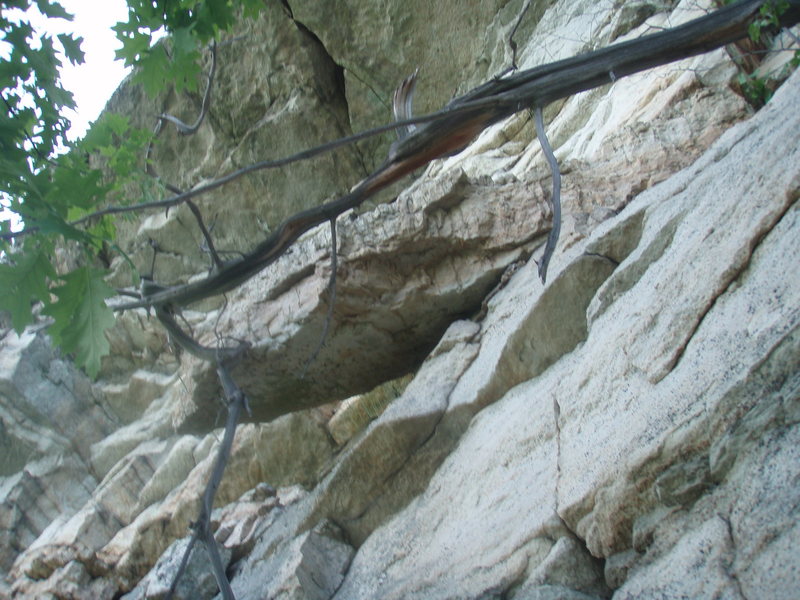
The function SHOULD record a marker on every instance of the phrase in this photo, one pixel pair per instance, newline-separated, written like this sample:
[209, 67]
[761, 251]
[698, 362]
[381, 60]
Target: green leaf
[154, 71]
[51, 224]
[134, 45]
[183, 42]
[103, 230]
[82, 316]
[57, 97]
[72, 48]
[23, 282]
[754, 31]
[73, 188]
[252, 8]
[52, 10]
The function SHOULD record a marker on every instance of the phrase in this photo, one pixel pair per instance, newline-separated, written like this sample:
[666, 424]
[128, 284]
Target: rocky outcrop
[649, 441]
[628, 430]
[49, 418]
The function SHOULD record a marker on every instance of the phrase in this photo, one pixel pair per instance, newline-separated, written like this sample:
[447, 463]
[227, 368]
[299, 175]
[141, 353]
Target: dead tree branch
[512, 42]
[236, 402]
[182, 127]
[201, 529]
[206, 234]
[452, 128]
[552, 238]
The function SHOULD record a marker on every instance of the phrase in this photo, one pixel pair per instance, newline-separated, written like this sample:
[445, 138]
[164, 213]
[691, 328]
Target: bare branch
[259, 166]
[206, 234]
[511, 42]
[181, 567]
[182, 127]
[454, 127]
[552, 238]
[236, 401]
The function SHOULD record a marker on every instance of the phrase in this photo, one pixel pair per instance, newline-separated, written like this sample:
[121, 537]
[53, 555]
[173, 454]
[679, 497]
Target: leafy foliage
[767, 17]
[23, 281]
[47, 183]
[757, 88]
[191, 24]
[81, 316]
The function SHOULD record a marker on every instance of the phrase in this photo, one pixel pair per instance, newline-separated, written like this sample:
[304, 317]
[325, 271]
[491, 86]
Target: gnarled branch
[452, 128]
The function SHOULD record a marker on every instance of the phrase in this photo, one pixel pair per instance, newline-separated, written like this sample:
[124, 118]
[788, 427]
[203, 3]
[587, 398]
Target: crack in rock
[733, 276]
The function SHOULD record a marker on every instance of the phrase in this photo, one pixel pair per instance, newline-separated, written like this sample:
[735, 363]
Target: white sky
[95, 80]
[92, 82]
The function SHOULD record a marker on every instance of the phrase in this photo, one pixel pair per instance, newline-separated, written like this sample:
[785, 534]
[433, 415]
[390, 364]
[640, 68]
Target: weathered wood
[457, 124]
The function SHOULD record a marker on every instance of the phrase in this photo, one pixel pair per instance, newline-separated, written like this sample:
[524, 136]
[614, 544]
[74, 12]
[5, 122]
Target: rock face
[629, 430]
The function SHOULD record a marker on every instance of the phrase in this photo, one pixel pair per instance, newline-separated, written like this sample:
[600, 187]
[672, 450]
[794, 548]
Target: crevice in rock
[557, 427]
[632, 15]
[605, 256]
[728, 568]
[565, 524]
[287, 284]
[733, 277]
[437, 445]
[331, 84]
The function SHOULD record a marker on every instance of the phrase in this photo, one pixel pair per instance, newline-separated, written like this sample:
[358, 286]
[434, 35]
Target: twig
[513, 44]
[185, 341]
[552, 239]
[188, 130]
[181, 568]
[206, 234]
[511, 41]
[236, 401]
[224, 358]
[261, 166]
[182, 127]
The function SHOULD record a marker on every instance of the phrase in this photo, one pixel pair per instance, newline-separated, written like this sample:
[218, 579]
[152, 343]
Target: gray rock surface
[624, 424]
[628, 430]
[197, 583]
[311, 566]
[49, 417]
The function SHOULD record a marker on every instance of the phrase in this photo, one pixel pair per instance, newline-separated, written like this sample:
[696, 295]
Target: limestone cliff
[628, 430]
